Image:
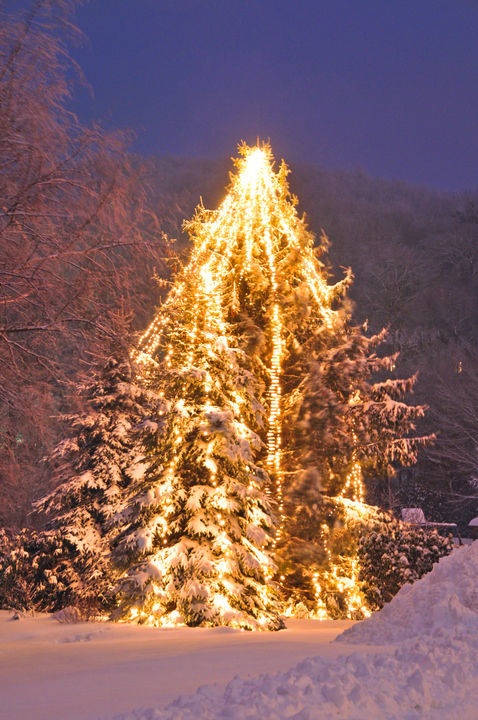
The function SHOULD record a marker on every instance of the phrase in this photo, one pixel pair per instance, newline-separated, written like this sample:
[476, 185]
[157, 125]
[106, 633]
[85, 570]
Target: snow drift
[412, 683]
[443, 601]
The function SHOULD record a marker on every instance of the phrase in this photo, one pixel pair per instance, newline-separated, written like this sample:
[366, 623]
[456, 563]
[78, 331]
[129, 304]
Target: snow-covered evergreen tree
[345, 424]
[97, 467]
[41, 571]
[393, 553]
[257, 283]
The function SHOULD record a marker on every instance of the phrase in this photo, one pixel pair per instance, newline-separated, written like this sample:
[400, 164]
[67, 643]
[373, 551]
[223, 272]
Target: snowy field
[61, 671]
[415, 660]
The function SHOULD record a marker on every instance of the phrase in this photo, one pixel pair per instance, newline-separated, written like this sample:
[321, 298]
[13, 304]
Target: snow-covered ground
[57, 671]
[415, 660]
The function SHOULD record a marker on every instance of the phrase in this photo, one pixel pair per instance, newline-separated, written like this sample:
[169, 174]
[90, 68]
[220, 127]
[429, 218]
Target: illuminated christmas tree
[272, 415]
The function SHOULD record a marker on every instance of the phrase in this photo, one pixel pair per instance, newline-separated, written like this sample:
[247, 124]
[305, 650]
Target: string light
[354, 480]
[257, 223]
[274, 431]
[345, 576]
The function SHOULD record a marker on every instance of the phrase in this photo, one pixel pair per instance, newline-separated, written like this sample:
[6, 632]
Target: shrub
[392, 554]
[42, 571]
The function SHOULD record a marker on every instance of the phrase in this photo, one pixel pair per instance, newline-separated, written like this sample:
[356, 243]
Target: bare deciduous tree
[455, 454]
[78, 244]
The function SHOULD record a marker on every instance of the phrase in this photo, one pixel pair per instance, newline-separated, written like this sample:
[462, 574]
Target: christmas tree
[273, 418]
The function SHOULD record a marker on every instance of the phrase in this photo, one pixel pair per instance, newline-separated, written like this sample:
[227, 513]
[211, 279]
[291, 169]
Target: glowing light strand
[275, 424]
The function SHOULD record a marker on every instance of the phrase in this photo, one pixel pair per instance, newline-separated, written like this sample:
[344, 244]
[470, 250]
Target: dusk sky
[387, 86]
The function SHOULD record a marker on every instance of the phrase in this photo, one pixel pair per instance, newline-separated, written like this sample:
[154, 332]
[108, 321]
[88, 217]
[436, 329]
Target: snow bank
[418, 682]
[443, 601]
[427, 671]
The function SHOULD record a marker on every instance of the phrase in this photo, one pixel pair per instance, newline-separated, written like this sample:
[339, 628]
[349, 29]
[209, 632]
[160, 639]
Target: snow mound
[417, 682]
[443, 601]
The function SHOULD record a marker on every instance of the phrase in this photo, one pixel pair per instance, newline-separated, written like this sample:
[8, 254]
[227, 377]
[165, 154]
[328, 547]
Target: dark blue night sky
[388, 86]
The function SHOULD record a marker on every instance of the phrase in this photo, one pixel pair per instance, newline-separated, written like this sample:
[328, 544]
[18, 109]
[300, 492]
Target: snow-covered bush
[42, 571]
[393, 554]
